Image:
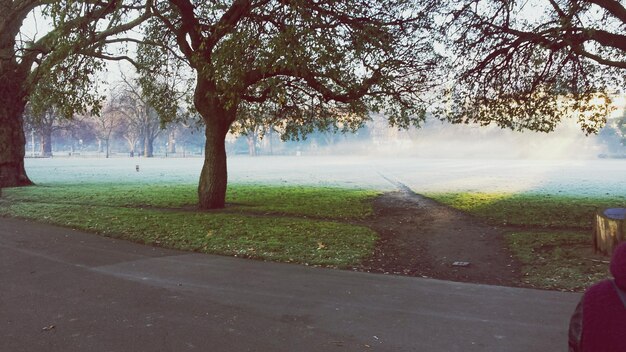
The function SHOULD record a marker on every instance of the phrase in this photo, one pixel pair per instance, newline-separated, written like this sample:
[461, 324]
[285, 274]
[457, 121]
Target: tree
[131, 133]
[189, 136]
[108, 122]
[55, 69]
[313, 58]
[45, 124]
[253, 122]
[522, 68]
[151, 128]
[80, 131]
[143, 122]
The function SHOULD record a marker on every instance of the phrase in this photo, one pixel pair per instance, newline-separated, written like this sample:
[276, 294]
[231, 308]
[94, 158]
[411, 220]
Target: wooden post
[609, 229]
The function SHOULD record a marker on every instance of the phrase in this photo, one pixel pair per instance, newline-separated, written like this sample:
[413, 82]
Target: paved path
[63, 290]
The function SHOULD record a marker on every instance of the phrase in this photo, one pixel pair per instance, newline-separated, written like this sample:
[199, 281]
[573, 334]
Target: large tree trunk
[214, 176]
[13, 97]
[12, 140]
[217, 119]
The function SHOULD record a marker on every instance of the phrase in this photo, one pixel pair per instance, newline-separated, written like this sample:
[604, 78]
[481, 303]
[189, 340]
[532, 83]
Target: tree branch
[617, 41]
[598, 59]
[227, 22]
[45, 45]
[613, 7]
[190, 25]
[146, 42]
[309, 77]
[113, 58]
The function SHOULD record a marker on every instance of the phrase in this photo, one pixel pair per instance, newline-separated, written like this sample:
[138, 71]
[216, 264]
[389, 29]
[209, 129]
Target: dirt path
[420, 237]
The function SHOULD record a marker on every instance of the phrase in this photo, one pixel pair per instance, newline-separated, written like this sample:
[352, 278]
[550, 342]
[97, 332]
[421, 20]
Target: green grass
[530, 209]
[289, 224]
[303, 201]
[555, 244]
[557, 260]
[551, 235]
[114, 195]
[319, 202]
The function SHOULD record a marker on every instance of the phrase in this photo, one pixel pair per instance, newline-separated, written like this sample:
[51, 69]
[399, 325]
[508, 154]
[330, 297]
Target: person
[599, 321]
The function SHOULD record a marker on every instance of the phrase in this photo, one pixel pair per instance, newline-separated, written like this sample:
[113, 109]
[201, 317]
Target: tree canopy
[309, 61]
[55, 68]
[527, 65]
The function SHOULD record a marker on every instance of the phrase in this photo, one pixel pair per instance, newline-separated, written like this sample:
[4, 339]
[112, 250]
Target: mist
[439, 157]
[446, 141]
[437, 140]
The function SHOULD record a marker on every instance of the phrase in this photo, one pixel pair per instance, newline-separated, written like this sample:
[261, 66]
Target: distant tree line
[128, 125]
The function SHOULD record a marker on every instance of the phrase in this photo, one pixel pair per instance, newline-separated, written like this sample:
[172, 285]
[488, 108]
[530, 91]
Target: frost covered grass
[549, 234]
[303, 227]
[567, 177]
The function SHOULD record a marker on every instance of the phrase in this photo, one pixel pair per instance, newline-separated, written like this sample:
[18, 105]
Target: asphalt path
[64, 290]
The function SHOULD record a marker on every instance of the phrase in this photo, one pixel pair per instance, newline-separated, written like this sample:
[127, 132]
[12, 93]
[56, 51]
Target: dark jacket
[599, 321]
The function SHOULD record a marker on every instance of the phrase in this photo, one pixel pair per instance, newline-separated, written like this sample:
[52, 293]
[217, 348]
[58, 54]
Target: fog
[440, 140]
[437, 140]
[423, 175]
[436, 158]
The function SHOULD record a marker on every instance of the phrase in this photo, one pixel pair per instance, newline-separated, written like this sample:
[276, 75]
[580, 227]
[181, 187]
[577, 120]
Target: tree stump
[609, 230]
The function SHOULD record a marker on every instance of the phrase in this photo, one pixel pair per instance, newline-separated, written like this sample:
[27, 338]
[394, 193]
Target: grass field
[549, 234]
[289, 224]
[531, 209]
